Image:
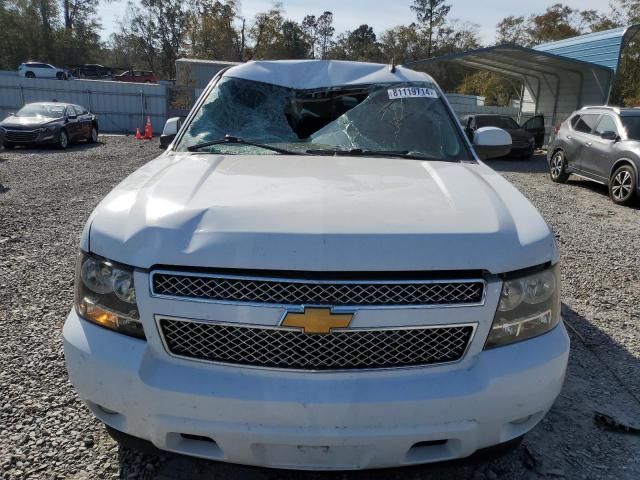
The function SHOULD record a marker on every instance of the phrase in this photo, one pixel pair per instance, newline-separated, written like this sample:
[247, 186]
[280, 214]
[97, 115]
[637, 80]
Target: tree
[431, 14]
[361, 44]
[556, 23]
[403, 43]
[277, 38]
[159, 28]
[212, 32]
[512, 30]
[496, 89]
[78, 12]
[325, 32]
[310, 28]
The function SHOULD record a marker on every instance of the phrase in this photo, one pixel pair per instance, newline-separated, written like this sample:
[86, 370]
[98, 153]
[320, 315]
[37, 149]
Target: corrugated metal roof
[601, 48]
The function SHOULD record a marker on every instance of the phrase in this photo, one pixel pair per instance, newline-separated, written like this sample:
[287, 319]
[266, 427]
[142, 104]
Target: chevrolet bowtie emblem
[317, 320]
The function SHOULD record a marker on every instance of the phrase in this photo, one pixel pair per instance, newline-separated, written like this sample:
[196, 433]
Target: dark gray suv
[601, 144]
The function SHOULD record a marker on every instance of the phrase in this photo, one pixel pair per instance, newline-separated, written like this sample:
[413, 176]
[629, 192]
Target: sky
[349, 14]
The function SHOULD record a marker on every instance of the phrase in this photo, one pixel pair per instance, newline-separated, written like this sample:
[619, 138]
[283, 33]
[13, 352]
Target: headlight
[529, 306]
[105, 295]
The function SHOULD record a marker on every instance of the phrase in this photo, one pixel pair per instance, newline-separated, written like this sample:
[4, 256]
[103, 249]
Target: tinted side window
[574, 121]
[606, 124]
[586, 123]
[536, 122]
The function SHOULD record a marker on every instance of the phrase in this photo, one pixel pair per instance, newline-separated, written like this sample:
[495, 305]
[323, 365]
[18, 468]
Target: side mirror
[491, 142]
[72, 116]
[610, 136]
[170, 131]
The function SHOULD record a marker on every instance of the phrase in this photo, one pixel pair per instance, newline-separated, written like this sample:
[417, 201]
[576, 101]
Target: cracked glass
[402, 118]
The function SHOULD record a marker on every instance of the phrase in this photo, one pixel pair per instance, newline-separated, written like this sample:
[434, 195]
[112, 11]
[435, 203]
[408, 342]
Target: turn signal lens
[105, 295]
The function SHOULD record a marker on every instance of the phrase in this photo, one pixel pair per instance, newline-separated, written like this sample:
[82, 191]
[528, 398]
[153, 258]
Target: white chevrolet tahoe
[319, 273]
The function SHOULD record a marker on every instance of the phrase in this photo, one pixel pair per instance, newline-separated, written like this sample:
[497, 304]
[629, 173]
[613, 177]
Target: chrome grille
[21, 135]
[293, 349]
[223, 288]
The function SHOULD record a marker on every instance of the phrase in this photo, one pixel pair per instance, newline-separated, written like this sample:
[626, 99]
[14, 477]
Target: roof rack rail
[601, 107]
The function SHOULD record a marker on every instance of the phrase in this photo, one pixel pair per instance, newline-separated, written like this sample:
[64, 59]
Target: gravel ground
[46, 432]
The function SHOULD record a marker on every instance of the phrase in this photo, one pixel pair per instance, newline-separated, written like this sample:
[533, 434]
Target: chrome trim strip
[301, 307]
[158, 318]
[587, 178]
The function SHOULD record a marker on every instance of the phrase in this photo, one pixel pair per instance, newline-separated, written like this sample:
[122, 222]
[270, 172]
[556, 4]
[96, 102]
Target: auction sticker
[412, 92]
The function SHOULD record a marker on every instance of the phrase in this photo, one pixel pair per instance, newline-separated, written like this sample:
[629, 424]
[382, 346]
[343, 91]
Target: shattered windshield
[408, 118]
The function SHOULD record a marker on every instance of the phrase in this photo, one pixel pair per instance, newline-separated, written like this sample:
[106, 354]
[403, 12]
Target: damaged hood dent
[279, 212]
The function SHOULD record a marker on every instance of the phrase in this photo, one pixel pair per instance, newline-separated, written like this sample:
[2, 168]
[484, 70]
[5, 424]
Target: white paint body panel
[309, 74]
[319, 214]
[315, 421]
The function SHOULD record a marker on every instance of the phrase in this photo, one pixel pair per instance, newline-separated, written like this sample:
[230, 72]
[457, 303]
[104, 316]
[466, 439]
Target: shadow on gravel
[49, 149]
[535, 164]
[4, 189]
[561, 446]
[597, 188]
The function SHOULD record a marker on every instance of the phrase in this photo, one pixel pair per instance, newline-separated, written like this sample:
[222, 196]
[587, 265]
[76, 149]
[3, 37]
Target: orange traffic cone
[138, 135]
[148, 131]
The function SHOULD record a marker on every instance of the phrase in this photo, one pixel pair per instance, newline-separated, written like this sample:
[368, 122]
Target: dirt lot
[46, 432]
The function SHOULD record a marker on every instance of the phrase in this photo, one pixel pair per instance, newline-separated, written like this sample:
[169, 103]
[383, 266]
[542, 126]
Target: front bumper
[315, 420]
[40, 138]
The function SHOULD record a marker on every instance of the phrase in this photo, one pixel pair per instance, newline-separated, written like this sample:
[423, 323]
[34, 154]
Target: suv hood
[279, 212]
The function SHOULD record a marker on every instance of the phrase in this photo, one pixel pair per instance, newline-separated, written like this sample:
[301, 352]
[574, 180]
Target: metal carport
[554, 86]
[557, 77]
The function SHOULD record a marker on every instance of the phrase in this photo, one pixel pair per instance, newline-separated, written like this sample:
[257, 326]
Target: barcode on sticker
[412, 92]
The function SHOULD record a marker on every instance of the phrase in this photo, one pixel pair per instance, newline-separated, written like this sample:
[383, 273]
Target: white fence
[120, 106]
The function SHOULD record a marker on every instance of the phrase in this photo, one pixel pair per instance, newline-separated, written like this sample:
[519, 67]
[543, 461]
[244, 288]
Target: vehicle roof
[622, 111]
[59, 104]
[309, 74]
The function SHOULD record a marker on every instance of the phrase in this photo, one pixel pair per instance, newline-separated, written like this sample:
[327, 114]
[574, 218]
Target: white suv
[41, 70]
[319, 273]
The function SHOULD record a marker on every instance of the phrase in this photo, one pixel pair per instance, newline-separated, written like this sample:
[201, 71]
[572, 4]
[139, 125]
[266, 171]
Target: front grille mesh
[293, 349]
[283, 292]
[21, 135]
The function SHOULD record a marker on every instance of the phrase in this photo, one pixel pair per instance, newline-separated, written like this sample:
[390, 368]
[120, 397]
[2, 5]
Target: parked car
[526, 138]
[600, 144]
[41, 70]
[138, 76]
[92, 71]
[278, 287]
[49, 123]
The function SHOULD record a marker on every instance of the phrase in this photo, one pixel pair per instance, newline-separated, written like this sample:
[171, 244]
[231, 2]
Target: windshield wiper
[359, 152]
[231, 140]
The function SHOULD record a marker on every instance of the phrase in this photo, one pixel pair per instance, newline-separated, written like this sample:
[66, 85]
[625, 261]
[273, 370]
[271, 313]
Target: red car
[138, 76]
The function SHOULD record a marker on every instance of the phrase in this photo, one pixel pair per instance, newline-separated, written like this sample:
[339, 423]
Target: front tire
[558, 167]
[63, 140]
[30, 75]
[622, 185]
[93, 136]
[60, 76]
